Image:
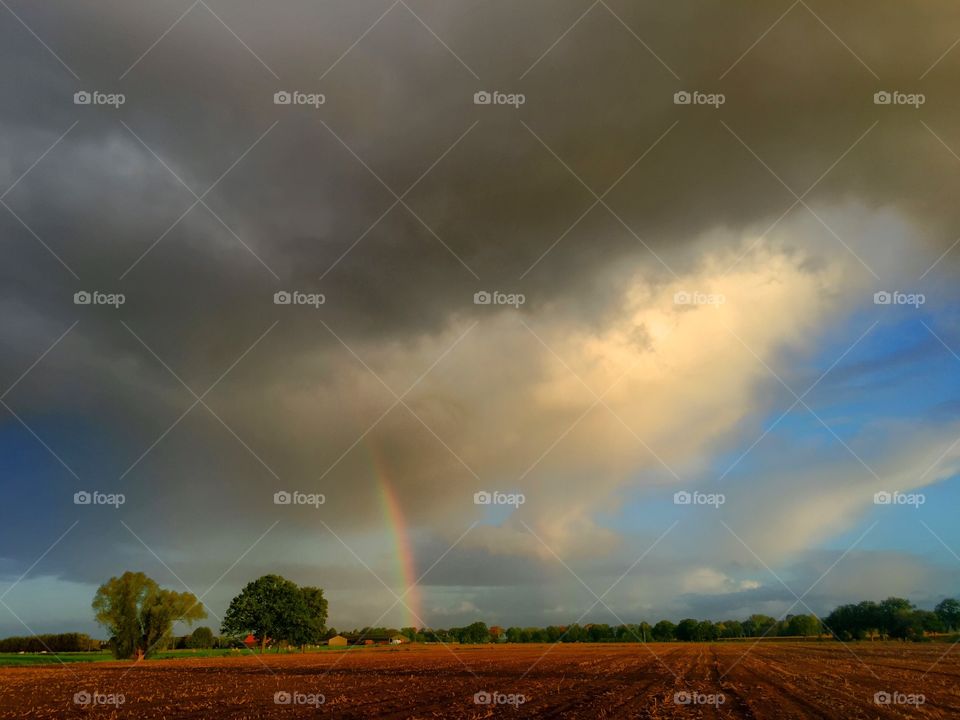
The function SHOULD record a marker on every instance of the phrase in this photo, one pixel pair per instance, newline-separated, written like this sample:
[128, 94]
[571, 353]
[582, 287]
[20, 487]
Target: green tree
[706, 630]
[896, 617]
[140, 614]
[761, 624]
[201, 638]
[312, 623]
[948, 610]
[803, 625]
[732, 629]
[477, 632]
[664, 631]
[687, 629]
[270, 608]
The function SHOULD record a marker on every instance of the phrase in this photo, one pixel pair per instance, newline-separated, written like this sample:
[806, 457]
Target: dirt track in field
[723, 680]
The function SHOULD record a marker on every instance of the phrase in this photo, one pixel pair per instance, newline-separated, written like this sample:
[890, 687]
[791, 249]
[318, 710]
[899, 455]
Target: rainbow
[406, 566]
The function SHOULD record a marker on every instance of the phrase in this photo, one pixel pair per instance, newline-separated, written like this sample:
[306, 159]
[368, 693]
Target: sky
[748, 297]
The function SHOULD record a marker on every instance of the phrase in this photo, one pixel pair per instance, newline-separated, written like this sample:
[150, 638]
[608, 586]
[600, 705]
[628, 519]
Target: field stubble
[724, 680]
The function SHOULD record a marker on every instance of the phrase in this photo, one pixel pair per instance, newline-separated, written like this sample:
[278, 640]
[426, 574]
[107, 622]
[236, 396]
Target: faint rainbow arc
[405, 559]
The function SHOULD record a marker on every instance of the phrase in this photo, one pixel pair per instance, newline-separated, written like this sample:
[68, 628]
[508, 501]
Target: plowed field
[736, 680]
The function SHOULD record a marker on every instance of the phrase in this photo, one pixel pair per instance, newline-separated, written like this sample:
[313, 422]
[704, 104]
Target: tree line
[140, 615]
[55, 643]
[893, 618]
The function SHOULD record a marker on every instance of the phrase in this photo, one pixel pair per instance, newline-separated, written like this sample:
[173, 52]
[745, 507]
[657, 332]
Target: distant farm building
[376, 639]
[338, 641]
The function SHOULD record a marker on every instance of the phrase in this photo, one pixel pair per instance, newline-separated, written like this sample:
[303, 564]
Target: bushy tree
[687, 629]
[312, 624]
[664, 631]
[803, 625]
[201, 638]
[274, 608]
[760, 625]
[140, 614]
[948, 610]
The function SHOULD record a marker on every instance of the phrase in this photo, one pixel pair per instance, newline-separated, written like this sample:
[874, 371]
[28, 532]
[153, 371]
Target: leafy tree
[762, 625]
[140, 614]
[706, 631]
[664, 631]
[948, 610]
[274, 608]
[895, 617]
[732, 629]
[687, 629]
[924, 621]
[803, 625]
[477, 632]
[202, 637]
[311, 625]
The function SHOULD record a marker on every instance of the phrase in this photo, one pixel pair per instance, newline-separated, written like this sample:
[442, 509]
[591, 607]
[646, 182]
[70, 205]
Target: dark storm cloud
[297, 209]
